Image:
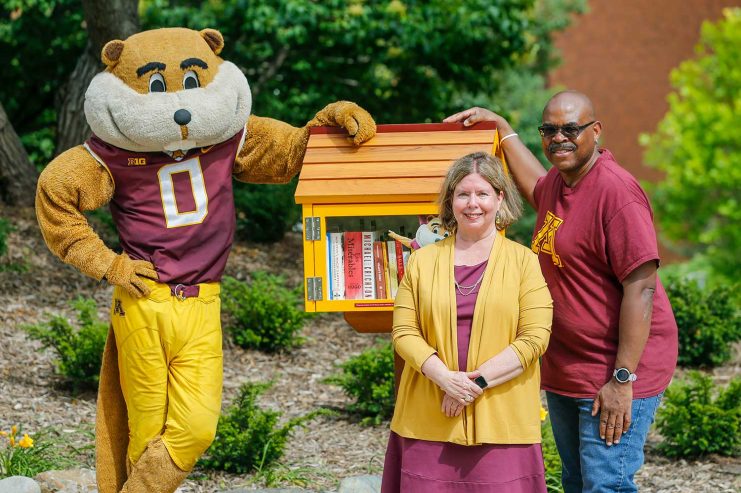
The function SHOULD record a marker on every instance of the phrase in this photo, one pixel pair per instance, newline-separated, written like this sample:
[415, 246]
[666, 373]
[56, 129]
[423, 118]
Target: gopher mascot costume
[171, 126]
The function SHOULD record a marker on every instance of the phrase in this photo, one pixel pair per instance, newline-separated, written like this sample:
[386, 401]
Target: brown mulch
[318, 456]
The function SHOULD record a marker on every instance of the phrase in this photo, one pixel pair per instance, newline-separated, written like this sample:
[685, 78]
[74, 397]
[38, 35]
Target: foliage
[248, 438]
[708, 320]
[79, 350]
[698, 147]
[699, 418]
[265, 212]
[383, 54]
[369, 379]
[551, 459]
[27, 456]
[265, 314]
[41, 41]
[5, 229]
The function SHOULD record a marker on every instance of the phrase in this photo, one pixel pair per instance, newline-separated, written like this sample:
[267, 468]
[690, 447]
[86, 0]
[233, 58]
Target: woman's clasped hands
[460, 391]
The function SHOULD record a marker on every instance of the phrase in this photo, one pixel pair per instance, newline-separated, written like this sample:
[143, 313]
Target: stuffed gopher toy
[171, 126]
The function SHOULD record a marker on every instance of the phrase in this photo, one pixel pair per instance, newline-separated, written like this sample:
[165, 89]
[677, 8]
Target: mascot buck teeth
[171, 127]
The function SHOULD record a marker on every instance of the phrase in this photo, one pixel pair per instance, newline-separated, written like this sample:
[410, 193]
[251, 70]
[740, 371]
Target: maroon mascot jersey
[176, 214]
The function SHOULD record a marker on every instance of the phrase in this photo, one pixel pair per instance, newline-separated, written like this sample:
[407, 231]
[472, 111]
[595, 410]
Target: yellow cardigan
[513, 308]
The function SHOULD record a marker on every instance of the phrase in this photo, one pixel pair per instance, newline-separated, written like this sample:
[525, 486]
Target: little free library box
[352, 196]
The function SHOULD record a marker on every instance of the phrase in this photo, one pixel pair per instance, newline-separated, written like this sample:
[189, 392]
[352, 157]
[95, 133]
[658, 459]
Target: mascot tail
[111, 423]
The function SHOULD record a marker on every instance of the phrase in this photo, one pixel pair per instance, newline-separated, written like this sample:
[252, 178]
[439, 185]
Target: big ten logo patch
[137, 161]
[545, 240]
[118, 308]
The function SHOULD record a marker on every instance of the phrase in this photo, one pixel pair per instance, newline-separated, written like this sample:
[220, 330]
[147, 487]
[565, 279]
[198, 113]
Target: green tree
[697, 145]
[41, 41]
[405, 61]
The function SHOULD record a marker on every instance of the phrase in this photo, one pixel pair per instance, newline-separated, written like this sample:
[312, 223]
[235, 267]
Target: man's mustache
[566, 146]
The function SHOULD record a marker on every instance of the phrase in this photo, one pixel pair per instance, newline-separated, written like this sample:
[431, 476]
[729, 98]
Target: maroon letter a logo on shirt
[545, 240]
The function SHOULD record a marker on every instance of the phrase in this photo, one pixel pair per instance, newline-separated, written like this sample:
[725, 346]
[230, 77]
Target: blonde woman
[471, 318]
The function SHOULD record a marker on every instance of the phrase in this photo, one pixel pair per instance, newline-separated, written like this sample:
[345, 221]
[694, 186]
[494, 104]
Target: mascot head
[431, 230]
[167, 90]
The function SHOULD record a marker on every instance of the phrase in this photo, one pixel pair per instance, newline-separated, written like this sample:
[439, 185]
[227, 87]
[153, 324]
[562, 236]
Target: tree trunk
[106, 20]
[17, 174]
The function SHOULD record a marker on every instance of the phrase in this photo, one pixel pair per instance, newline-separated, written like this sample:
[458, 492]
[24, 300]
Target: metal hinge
[313, 228]
[314, 289]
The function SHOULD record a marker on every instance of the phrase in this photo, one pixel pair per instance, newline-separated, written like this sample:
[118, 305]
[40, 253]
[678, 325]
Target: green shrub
[5, 229]
[265, 314]
[551, 459]
[708, 322]
[79, 350]
[247, 437]
[694, 423]
[369, 379]
[265, 212]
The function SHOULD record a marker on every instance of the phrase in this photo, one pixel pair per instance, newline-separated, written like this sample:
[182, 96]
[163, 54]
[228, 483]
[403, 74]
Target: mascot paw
[358, 122]
[127, 273]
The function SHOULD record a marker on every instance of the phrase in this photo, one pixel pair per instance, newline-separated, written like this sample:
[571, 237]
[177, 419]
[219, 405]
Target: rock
[361, 484]
[68, 481]
[19, 484]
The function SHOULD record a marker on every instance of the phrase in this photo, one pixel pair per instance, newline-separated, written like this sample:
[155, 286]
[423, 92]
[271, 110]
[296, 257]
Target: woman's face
[475, 205]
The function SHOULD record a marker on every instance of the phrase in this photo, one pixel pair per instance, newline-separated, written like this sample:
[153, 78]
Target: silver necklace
[469, 289]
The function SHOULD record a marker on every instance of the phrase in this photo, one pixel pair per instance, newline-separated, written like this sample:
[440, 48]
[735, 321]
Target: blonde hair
[490, 168]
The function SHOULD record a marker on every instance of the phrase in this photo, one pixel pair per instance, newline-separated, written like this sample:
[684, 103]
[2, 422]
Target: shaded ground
[317, 457]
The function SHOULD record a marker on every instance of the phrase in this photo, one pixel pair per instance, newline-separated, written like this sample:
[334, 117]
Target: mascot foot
[154, 471]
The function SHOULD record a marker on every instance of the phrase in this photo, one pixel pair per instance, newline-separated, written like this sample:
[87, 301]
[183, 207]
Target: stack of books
[364, 265]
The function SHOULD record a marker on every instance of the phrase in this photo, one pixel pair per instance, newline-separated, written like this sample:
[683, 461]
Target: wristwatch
[623, 375]
[481, 382]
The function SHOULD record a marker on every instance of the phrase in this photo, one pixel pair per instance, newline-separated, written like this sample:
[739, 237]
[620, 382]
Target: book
[401, 260]
[379, 271]
[337, 264]
[353, 256]
[369, 277]
[393, 273]
[405, 254]
[328, 260]
[385, 255]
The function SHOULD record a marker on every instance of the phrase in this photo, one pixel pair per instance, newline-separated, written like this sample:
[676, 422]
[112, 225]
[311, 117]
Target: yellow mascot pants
[170, 361]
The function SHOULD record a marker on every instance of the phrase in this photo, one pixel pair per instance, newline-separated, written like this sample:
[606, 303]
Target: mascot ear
[112, 52]
[214, 39]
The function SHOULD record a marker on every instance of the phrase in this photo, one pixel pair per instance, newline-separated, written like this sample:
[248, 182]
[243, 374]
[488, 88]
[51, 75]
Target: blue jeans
[589, 465]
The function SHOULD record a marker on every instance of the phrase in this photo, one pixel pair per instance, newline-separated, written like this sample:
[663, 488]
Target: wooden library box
[352, 196]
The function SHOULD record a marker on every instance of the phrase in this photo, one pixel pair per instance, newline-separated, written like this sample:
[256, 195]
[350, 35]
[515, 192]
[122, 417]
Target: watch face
[622, 375]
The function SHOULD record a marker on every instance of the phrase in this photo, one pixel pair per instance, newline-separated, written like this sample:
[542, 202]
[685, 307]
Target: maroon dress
[421, 466]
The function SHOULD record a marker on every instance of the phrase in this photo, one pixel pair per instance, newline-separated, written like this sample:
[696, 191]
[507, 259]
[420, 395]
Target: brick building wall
[620, 53]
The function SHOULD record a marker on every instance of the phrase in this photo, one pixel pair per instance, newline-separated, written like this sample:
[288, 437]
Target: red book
[399, 261]
[369, 278]
[379, 271]
[353, 265]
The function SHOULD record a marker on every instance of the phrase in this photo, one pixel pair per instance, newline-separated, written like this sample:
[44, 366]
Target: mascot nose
[182, 117]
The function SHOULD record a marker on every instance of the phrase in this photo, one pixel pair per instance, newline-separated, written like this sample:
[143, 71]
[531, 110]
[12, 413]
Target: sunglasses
[570, 130]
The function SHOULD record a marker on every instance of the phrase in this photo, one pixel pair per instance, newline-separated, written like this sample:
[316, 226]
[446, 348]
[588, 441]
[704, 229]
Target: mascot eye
[190, 80]
[446, 234]
[157, 83]
[435, 229]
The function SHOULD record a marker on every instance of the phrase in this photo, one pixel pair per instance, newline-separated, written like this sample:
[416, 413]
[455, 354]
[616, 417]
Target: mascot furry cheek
[172, 126]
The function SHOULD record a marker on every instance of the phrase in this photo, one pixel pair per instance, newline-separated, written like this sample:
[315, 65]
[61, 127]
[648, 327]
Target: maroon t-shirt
[588, 239]
[177, 214]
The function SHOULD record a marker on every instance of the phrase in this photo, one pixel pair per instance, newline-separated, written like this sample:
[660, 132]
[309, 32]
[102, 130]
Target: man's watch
[623, 375]
[481, 382]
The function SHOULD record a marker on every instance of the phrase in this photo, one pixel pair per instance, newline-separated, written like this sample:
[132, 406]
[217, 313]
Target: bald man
[613, 349]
